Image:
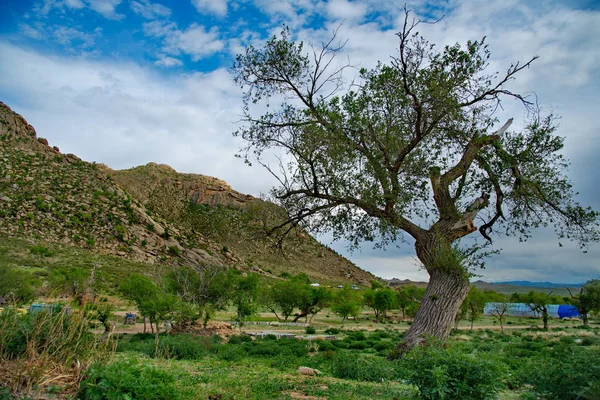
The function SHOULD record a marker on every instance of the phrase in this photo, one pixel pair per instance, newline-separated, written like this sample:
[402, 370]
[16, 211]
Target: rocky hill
[149, 214]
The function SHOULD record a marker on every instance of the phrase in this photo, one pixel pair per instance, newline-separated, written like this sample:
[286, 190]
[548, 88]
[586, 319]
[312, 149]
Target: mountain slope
[149, 214]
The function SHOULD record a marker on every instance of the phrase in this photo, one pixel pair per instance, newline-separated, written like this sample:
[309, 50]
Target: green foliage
[245, 295]
[564, 373]
[363, 368]
[310, 330]
[453, 374]
[128, 379]
[16, 285]
[380, 300]
[346, 303]
[40, 250]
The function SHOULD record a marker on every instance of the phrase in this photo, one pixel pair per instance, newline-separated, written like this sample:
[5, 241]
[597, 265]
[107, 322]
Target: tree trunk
[545, 318]
[585, 319]
[445, 294]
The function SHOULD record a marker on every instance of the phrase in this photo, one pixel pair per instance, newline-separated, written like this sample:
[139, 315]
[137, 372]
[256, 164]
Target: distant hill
[507, 288]
[540, 284]
[150, 215]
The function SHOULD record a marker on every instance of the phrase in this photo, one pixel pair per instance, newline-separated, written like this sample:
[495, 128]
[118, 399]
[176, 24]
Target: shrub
[332, 331]
[564, 373]
[239, 339]
[340, 344]
[44, 346]
[231, 353]
[361, 367]
[310, 330]
[357, 335]
[326, 345]
[41, 251]
[447, 373]
[185, 347]
[128, 379]
[357, 345]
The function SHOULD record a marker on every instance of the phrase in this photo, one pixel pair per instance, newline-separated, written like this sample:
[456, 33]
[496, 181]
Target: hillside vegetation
[151, 215]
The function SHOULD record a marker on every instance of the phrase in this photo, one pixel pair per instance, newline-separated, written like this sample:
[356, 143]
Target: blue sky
[127, 82]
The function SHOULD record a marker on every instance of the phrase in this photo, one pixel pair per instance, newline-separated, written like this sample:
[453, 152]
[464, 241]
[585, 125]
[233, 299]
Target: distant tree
[380, 300]
[16, 286]
[207, 288]
[473, 305]
[346, 303]
[244, 295]
[537, 302]
[408, 148]
[500, 311]
[588, 299]
[283, 297]
[408, 298]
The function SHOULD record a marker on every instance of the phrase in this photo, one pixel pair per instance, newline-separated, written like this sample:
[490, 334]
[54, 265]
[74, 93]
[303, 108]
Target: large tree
[406, 148]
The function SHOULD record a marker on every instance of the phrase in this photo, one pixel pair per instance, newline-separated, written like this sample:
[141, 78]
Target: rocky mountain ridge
[150, 214]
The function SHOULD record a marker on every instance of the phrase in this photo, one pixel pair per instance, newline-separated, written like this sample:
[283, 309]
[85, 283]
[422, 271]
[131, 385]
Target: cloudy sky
[127, 82]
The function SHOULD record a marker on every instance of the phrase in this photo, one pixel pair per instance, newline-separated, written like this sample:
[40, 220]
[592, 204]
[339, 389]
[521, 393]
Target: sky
[128, 82]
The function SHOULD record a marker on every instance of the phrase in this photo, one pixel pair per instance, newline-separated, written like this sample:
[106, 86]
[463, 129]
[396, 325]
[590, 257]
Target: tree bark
[584, 316]
[444, 295]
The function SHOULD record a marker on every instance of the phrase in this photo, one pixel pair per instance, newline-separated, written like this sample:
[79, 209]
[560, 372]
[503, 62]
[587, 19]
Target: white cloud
[218, 7]
[150, 10]
[70, 37]
[106, 8]
[32, 32]
[166, 61]
[76, 4]
[346, 10]
[125, 115]
[194, 41]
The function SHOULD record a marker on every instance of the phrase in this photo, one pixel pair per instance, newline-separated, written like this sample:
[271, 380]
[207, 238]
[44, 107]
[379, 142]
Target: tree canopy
[413, 147]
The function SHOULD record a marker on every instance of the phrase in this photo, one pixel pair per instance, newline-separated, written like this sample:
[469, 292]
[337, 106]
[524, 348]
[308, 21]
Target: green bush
[128, 379]
[239, 339]
[564, 373]
[332, 331]
[310, 330]
[230, 352]
[326, 345]
[41, 251]
[451, 374]
[362, 367]
[357, 345]
[340, 344]
[185, 346]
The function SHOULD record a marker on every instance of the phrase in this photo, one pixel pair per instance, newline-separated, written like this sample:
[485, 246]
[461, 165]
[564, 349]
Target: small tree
[380, 300]
[588, 299]
[473, 305]
[245, 296]
[346, 303]
[408, 298]
[500, 310]
[537, 302]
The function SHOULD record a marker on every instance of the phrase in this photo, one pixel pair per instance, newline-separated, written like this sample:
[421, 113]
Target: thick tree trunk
[444, 295]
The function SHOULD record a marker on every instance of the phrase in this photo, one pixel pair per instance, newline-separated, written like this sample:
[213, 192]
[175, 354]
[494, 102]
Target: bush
[239, 339]
[185, 346]
[41, 251]
[362, 368]
[128, 379]
[357, 345]
[332, 331]
[230, 352]
[564, 373]
[310, 330]
[450, 374]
